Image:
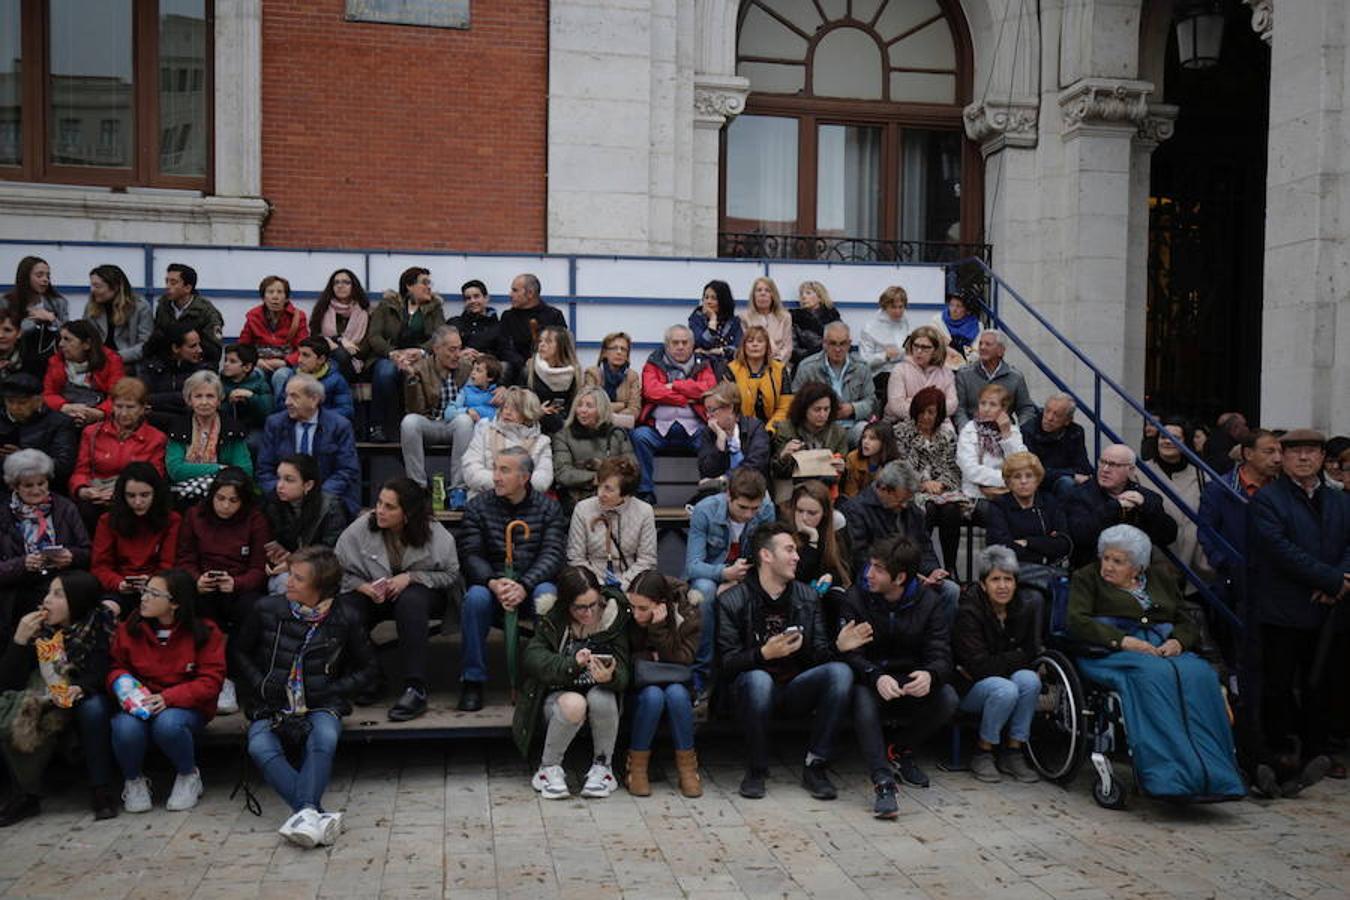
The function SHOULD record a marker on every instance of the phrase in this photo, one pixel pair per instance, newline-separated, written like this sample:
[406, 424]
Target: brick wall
[395, 136]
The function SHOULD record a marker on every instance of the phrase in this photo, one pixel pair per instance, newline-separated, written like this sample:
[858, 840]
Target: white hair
[998, 337]
[1134, 542]
[677, 329]
[309, 384]
[26, 463]
[1067, 400]
[996, 558]
[836, 326]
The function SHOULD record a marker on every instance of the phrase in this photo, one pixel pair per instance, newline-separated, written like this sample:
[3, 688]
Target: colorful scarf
[313, 617]
[203, 446]
[77, 373]
[35, 524]
[988, 434]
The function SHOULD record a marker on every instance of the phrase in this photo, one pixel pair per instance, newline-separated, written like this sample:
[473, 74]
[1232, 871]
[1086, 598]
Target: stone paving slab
[461, 821]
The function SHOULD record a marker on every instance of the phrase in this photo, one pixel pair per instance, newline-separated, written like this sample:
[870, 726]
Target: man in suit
[305, 427]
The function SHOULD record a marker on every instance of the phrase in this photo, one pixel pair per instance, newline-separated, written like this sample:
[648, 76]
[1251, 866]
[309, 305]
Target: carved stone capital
[1263, 17]
[1108, 103]
[1159, 125]
[996, 124]
[718, 98]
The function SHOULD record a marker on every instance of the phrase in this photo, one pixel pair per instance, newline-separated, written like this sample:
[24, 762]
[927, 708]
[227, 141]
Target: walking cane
[511, 617]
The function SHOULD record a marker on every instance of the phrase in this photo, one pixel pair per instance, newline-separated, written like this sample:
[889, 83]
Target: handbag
[649, 673]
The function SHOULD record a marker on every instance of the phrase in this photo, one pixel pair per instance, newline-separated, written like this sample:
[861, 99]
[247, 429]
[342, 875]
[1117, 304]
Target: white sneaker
[551, 783]
[600, 781]
[136, 795]
[331, 824]
[187, 790]
[304, 829]
[228, 701]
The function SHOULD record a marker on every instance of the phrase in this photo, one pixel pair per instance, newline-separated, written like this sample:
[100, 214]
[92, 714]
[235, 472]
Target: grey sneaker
[984, 767]
[1013, 763]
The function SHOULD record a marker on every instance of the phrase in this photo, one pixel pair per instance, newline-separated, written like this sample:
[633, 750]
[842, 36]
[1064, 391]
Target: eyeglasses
[584, 607]
[1112, 464]
[156, 593]
[924, 346]
[836, 343]
[425, 281]
[622, 348]
[337, 281]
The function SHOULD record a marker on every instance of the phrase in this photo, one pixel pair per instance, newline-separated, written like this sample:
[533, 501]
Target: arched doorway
[1207, 232]
[851, 145]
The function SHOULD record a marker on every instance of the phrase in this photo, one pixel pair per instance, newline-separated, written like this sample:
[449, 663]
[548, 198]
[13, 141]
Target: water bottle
[438, 491]
[132, 695]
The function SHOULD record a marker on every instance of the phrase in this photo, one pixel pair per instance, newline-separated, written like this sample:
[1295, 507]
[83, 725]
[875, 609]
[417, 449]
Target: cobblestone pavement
[424, 821]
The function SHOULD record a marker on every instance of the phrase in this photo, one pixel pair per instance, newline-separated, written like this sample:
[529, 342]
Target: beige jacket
[627, 546]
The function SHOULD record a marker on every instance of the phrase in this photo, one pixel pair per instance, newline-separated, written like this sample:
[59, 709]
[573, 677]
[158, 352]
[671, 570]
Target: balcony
[756, 245]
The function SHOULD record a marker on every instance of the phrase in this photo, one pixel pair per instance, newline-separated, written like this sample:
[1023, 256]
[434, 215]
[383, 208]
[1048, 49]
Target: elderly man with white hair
[674, 380]
[305, 427]
[990, 369]
[1060, 444]
[845, 371]
[1115, 497]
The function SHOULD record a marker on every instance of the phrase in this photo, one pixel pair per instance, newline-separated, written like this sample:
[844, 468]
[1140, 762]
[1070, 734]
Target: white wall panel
[683, 278]
[241, 270]
[449, 271]
[861, 283]
[71, 264]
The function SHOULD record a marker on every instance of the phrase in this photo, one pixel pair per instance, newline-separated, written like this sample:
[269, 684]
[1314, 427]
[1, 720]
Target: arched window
[852, 129]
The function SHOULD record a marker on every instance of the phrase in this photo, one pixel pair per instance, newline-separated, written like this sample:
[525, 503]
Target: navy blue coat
[1062, 454]
[333, 445]
[1091, 511]
[1300, 545]
[1043, 526]
[714, 463]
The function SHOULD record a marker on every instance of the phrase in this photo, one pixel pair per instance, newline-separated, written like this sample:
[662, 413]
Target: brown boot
[637, 782]
[686, 766]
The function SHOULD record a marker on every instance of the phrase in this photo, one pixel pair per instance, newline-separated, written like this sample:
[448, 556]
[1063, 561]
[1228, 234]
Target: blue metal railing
[1100, 380]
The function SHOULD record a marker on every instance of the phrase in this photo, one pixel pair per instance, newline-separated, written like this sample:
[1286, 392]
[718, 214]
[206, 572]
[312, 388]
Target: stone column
[1305, 330]
[716, 101]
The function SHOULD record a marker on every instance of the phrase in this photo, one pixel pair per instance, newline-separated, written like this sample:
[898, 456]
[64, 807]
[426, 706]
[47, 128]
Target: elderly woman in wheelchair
[1133, 640]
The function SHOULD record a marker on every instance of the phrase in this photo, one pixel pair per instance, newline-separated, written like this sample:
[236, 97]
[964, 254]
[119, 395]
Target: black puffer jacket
[340, 660]
[483, 539]
[986, 647]
[52, 432]
[1090, 511]
[482, 332]
[1043, 526]
[165, 379]
[907, 636]
[869, 521]
[741, 633]
[321, 520]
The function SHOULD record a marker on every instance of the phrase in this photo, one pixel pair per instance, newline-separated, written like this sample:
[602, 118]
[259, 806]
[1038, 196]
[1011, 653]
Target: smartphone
[215, 574]
[604, 659]
[792, 629]
[50, 552]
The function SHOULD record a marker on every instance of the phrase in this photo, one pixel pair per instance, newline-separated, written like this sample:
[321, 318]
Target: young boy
[313, 360]
[475, 398]
[248, 396]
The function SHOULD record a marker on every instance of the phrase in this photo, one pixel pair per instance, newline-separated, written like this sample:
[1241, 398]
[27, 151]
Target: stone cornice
[149, 206]
[1104, 103]
[1159, 125]
[718, 98]
[996, 124]
[1263, 17]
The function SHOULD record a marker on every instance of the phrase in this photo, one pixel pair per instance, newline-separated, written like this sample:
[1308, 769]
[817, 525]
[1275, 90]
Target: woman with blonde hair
[554, 375]
[883, 338]
[985, 442]
[761, 379]
[122, 319]
[614, 374]
[766, 310]
[814, 310]
[923, 366]
[588, 439]
[516, 425]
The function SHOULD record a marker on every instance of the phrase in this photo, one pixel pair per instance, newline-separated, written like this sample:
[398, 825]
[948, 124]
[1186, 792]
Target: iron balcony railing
[999, 291]
[757, 245]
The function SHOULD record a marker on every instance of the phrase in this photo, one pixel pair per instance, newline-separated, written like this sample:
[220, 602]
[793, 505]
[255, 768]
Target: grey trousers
[602, 711]
[417, 431]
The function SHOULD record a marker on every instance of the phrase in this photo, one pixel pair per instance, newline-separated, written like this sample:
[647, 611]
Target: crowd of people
[186, 534]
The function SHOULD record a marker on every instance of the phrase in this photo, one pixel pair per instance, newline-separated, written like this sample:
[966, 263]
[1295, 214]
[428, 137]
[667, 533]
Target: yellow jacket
[771, 387]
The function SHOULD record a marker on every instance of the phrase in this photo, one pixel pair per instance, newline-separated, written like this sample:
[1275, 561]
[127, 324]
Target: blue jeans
[707, 636]
[92, 716]
[647, 441]
[303, 789]
[1001, 702]
[477, 616]
[279, 379]
[173, 731]
[1063, 486]
[822, 689]
[651, 701]
[384, 392]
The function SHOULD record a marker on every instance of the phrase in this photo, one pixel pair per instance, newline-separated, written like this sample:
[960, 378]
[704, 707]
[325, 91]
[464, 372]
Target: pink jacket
[907, 379]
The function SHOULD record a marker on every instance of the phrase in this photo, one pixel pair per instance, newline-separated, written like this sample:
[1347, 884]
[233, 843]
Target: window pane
[762, 172]
[91, 83]
[11, 84]
[848, 181]
[847, 64]
[930, 178]
[182, 87]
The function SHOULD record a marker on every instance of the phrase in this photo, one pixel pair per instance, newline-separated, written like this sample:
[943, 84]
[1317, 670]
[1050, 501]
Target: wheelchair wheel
[1058, 743]
[1114, 798]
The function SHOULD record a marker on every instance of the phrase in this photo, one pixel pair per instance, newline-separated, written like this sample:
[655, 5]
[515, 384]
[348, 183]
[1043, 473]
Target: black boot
[470, 697]
[410, 705]
[103, 802]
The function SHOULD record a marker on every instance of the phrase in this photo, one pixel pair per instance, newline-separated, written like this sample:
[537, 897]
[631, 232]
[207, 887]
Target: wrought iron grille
[756, 245]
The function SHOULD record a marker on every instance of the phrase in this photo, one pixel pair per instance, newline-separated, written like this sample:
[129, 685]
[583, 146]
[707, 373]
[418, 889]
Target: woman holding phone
[137, 536]
[575, 669]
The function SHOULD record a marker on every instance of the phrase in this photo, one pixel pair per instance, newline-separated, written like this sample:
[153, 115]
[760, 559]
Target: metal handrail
[990, 309]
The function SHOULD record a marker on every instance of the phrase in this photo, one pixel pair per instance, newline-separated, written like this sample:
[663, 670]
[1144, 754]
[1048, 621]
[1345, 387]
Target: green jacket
[545, 670]
[1090, 596]
[251, 414]
[228, 453]
[389, 320]
[834, 438]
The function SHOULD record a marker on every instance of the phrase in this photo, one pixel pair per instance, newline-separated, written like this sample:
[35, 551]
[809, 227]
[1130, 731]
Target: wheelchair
[1074, 721]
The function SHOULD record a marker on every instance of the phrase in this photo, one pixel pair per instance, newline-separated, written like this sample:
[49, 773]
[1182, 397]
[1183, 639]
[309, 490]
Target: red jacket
[256, 330]
[659, 390]
[102, 455]
[102, 380]
[188, 676]
[207, 544]
[117, 556]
